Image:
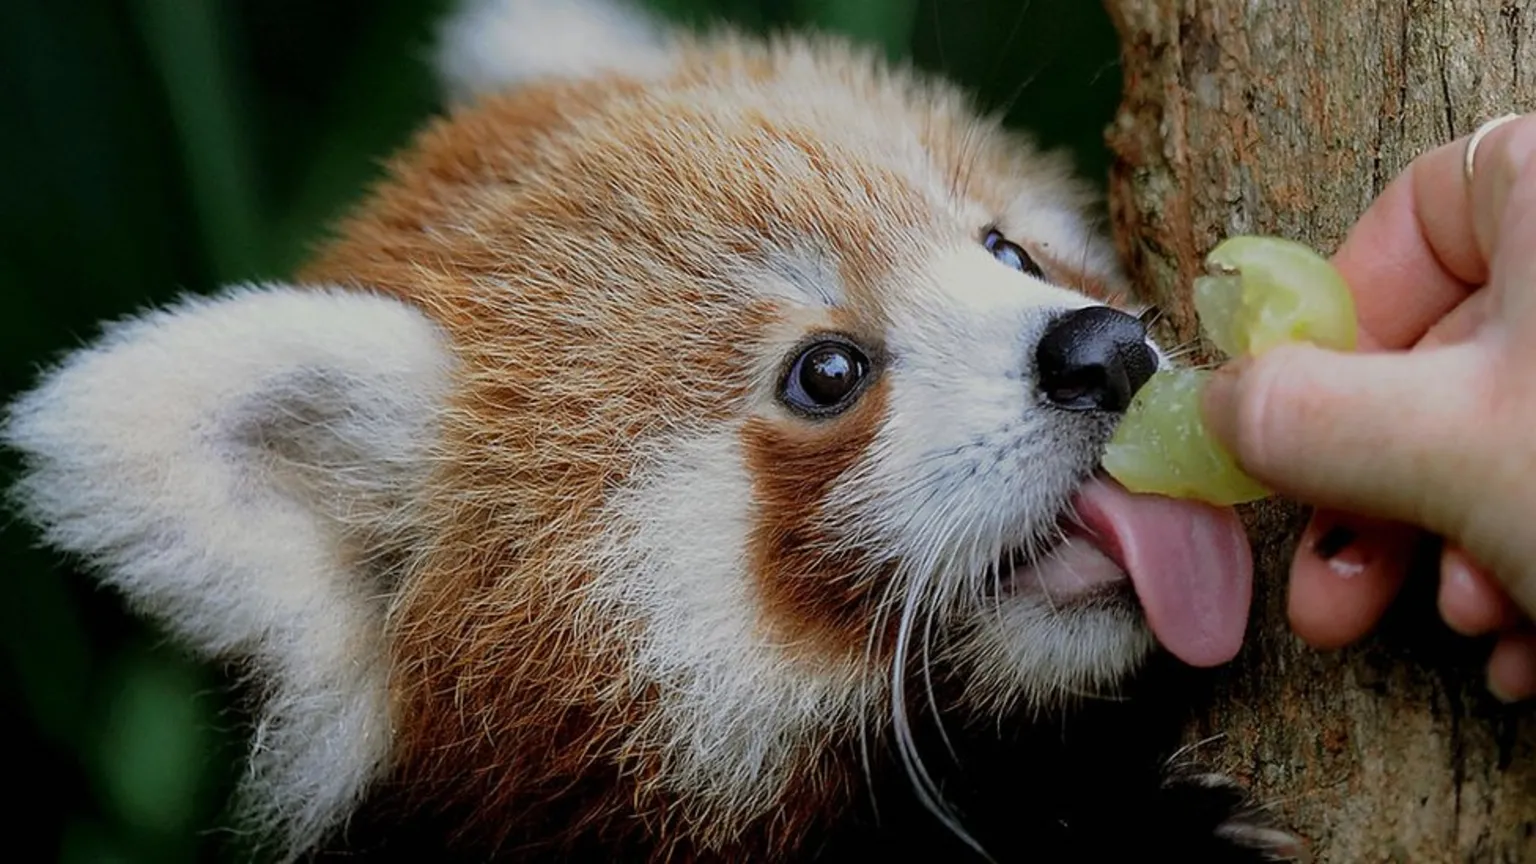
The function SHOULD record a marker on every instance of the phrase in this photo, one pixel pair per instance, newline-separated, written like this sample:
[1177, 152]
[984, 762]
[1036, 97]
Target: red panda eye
[1011, 254]
[825, 377]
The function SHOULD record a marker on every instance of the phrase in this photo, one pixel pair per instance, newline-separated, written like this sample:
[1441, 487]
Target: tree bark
[1288, 117]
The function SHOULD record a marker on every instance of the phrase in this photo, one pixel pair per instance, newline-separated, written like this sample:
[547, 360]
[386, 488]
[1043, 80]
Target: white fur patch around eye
[972, 278]
[969, 464]
[488, 45]
[243, 468]
[806, 276]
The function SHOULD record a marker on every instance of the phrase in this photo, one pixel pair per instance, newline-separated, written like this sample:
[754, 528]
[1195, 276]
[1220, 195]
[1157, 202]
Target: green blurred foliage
[153, 147]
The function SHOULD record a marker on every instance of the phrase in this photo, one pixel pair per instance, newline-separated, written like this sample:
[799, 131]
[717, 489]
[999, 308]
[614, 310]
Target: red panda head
[643, 448]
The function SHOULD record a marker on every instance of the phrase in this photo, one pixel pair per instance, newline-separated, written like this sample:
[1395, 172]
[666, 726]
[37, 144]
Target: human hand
[1432, 426]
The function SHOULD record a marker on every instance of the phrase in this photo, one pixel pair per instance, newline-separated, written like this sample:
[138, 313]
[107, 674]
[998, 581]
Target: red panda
[686, 429]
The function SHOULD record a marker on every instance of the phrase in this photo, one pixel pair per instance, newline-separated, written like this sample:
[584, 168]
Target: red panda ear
[243, 468]
[488, 45]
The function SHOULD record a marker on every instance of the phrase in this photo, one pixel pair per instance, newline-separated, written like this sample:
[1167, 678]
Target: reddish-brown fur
[821, 593]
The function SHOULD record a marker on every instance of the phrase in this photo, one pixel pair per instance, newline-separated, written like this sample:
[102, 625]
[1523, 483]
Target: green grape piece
[1162, 447]
[1266, 291]
[1260, 292]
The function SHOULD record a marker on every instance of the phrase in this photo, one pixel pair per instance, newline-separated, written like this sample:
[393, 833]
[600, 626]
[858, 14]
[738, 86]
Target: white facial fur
[972, 461]
[736, 707]
[968, 462]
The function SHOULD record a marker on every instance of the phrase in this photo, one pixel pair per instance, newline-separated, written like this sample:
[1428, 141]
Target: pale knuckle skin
[1504, 162]
[1513, 264]
[1520, 582]
[1505, 549]
[1495, 519]
[1516, 149]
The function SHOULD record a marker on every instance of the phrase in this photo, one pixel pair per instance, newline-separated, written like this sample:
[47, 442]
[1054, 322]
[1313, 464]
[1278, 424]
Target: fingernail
[1334, 541]
[1498, 692]
[1512, 668]
[1455, 571]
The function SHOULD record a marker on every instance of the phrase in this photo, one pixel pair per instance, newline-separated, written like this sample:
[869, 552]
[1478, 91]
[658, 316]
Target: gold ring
[1470, 160]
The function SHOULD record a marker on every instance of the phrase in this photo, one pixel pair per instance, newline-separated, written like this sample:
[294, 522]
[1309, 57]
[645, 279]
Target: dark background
[151, 147]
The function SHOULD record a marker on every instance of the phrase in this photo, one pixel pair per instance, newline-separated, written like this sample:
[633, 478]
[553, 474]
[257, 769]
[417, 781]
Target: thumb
[1379, 434]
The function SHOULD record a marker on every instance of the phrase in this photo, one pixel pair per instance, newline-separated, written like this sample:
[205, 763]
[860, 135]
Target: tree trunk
[1288, 118]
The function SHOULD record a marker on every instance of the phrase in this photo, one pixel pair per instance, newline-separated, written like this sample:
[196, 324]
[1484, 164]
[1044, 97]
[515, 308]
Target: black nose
[1094, 359]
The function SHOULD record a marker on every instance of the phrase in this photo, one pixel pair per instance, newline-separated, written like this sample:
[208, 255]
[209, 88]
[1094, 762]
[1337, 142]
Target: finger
[1462, 322]
[1413, 262]
[1470, 601]
[1379, 435]
[1512, 667]
[1424, 244]
[1400, 285]
[1502, 159]
[1348, 569]
[1514, 261]
[1346, 572]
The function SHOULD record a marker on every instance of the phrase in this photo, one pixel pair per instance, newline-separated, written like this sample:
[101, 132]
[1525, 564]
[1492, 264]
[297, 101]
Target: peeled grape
[1265, 291]
[1162, 446]
[1261, 292]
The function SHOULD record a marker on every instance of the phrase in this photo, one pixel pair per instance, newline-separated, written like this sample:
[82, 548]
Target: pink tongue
[1189, 561]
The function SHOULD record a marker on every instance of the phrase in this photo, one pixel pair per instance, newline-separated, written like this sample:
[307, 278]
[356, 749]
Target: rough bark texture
[1288, 117]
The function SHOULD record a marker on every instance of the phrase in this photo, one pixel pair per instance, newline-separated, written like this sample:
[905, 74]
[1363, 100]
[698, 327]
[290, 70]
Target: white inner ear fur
[488, 45]
[244, 468]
